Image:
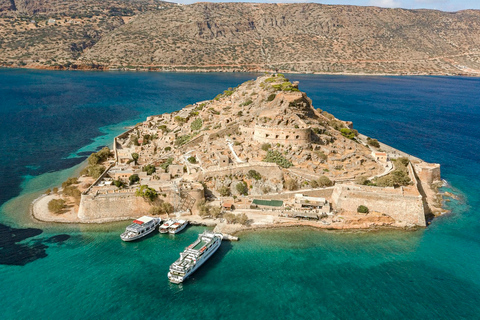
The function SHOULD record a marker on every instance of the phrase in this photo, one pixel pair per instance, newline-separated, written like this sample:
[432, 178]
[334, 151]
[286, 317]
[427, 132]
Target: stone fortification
[111, 207]
[404, 207]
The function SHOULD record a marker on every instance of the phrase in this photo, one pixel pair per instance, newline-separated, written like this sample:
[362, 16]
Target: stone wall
[285, 136]
[428, 172]
[404, 207]
[111, 207]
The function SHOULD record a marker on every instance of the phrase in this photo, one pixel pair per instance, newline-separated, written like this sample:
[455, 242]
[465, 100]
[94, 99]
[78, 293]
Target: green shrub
[271, 97]
[94, 171]
[242, 188]
[291, 184]
[276, 157]
[225, 191]
[69, 182]
[133, 178]
[246, 103]
[147, 193]
[166, 164]
[192, 159]
[117, 183]
[56, 205]
[149, 168]
[179, 120]
[196, 124]
[324, 181]
[253, 174]
[362, 209]
[373, 143]
[181, 140]
[348, 133]
[266, 146]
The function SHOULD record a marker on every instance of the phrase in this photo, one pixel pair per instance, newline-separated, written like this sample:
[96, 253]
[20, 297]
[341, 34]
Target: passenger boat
[177, 226]
[166, 224]
[140, 228]
[194, 256]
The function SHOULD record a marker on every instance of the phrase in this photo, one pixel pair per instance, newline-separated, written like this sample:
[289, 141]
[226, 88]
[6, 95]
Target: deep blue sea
[50, 121]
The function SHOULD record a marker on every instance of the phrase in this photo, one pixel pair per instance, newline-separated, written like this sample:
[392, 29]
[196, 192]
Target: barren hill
[287, 37]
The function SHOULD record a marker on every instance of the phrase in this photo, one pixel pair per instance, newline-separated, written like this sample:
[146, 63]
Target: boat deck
[200, 245]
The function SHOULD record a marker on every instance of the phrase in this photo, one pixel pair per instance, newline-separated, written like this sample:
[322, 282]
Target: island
[256, 156]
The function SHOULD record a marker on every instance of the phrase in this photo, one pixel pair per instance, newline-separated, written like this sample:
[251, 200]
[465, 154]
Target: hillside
[256, 37]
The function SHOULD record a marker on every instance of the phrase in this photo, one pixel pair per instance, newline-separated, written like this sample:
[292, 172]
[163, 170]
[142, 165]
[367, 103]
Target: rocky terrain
[153, 35]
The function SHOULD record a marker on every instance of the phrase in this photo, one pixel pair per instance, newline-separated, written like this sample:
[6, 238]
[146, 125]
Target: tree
[314, 184]
[56, 205]
[93, 159]
[215, 212]
[291, 184]
[55, 190]
[241, 218]
[133, 178]
[230, 217]
[224, 191]
[149, 168]
[48, 191]
[147, 193]
[192, 159]
[253, 174]
[362, 209]
[242, 188]
[324, 181]
[373, 142]
[135, 158]
[118, 183]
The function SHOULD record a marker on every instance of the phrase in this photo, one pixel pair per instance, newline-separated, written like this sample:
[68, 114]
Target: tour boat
[166, 224]
[194, 256]
[140, 228]
[177, 226]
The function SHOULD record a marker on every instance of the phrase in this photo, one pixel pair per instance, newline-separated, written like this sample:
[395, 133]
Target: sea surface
[50, 121]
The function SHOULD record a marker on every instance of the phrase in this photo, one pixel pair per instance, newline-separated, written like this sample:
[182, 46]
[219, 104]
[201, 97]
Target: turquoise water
[57, 271]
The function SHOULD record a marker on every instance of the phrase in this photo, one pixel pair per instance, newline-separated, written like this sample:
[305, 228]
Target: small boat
[194, 256]
[140, 228]
[166, 224]
[177, 226]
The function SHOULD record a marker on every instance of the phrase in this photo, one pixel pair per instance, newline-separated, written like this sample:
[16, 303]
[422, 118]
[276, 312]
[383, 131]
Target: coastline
[236, 70]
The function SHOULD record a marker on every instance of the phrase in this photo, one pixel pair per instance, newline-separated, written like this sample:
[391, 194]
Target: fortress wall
[111, 207]
[428, 172]
[401, 207]
[282, 135]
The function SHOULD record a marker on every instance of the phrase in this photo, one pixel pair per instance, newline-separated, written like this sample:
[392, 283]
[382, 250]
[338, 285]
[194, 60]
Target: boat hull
[139, 236]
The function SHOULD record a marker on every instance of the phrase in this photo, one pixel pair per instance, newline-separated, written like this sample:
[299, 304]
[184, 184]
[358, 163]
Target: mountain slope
[238, 37]
[295, 37]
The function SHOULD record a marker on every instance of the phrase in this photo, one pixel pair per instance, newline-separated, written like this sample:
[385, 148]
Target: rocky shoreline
[227, 70]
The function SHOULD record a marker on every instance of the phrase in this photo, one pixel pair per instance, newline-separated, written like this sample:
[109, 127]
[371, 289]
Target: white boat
[140, 228]
[177, 226]
[166, 224]
[194, 256]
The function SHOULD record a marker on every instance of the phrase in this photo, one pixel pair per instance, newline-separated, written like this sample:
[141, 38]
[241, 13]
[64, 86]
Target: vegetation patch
[196, 124]
[276, 157]
[56, 205]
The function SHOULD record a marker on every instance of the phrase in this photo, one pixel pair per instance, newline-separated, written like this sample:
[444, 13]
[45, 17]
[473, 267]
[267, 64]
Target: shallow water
[52, 120]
